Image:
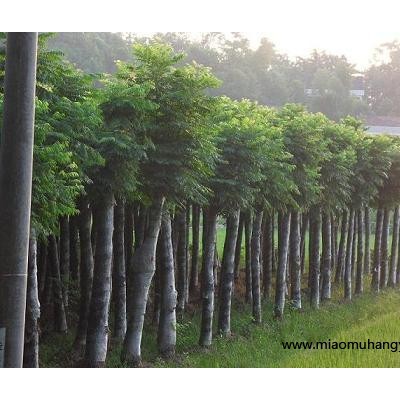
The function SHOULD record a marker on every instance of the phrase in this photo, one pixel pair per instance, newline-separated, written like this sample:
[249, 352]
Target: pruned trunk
[295, 260]
[326, 256]
[119, 271]
[376, 272]
[280, 291]
[384, 250]
[394, 250]
[349, 257]
[194, 272]
[314, 255]
[60, 319]
[32, 315]
[268, 254]
[360, 253]
[342, 247]
[64, 258]
[142, 271]
[86, 274]
[255, 266]
[98, 329]
[207, 283]
[227, 274]
[248, 227]
[167, 324]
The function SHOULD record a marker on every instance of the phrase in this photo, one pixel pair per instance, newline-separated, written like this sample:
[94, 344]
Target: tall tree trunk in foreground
[315, 233]
[384, 252]
[119, 271]
[207, 283]
[74, 251]
[194, 271]
[86, 274]
[354, 247]
[238, 249]
[280, 291]
[268, 256]
[128, 234]
[334, 244]
[367, 252]
[394, 250]
[60, 319]
[227, 274]
[15, 189]
[167, 325]
[181, 260]
[31, 347]
[326, 256]
[360, 253]
[248, 227]
[304, 227]
[97, 330]
[64, 258]
[142, 271]
[349, 256]
[376, 272]
[342, 247]
[295, 260]
[255, 266]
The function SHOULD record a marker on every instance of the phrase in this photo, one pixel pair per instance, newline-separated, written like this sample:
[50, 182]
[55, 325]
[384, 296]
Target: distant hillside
[92, 51]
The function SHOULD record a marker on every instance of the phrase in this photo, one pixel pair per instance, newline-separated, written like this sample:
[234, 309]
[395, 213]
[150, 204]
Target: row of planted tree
[126, 169]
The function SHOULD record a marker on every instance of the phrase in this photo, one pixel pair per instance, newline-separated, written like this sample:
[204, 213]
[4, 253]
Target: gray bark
[142, 271]
[227, 274]
[97, 330]
[15, 189]
[360, 252]
[181, 260]
[349, 256]
[342, 247]
[280, 291]
[194, 272]
[238, 249]
[268, 254]
[31, 347]
[64, 257]
[367, 258]
[128, 234]
[295, 260]
[248, 227]
[315, 233]
[255, 266]
[384, 250]
[376, 272]
[304, 228]
[207, 283]
[119, 271]
[326, 256]
[167, 325]
[394, 250]
[86, 274]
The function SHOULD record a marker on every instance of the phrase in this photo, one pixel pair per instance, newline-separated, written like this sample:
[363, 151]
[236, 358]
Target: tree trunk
[367, 259]
[360, 253]
[97, 330]
[181, 260]
[142, 271]
[342, 247]
[354, 247]
[248, 227]
[31, 347]
[207, 284]
[376, 273]
[295, 260]
[349, 257]
[194, 272]
[326, 256]
[64, 258]
[128, 234]
[304, 227]
[238, 249]
[384, 252]
[315, 233]
[15, 189]
[255, 266]
[86, 274]
[60, 319]
[280, 291]
[227, 274]
[394, 250]
[119, 271]
[74, 248]
[42, 267]
[167, 325]
[334, 235]
[268, 255]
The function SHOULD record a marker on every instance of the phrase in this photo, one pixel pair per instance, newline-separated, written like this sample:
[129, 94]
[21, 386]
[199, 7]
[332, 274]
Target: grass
[374, 317]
